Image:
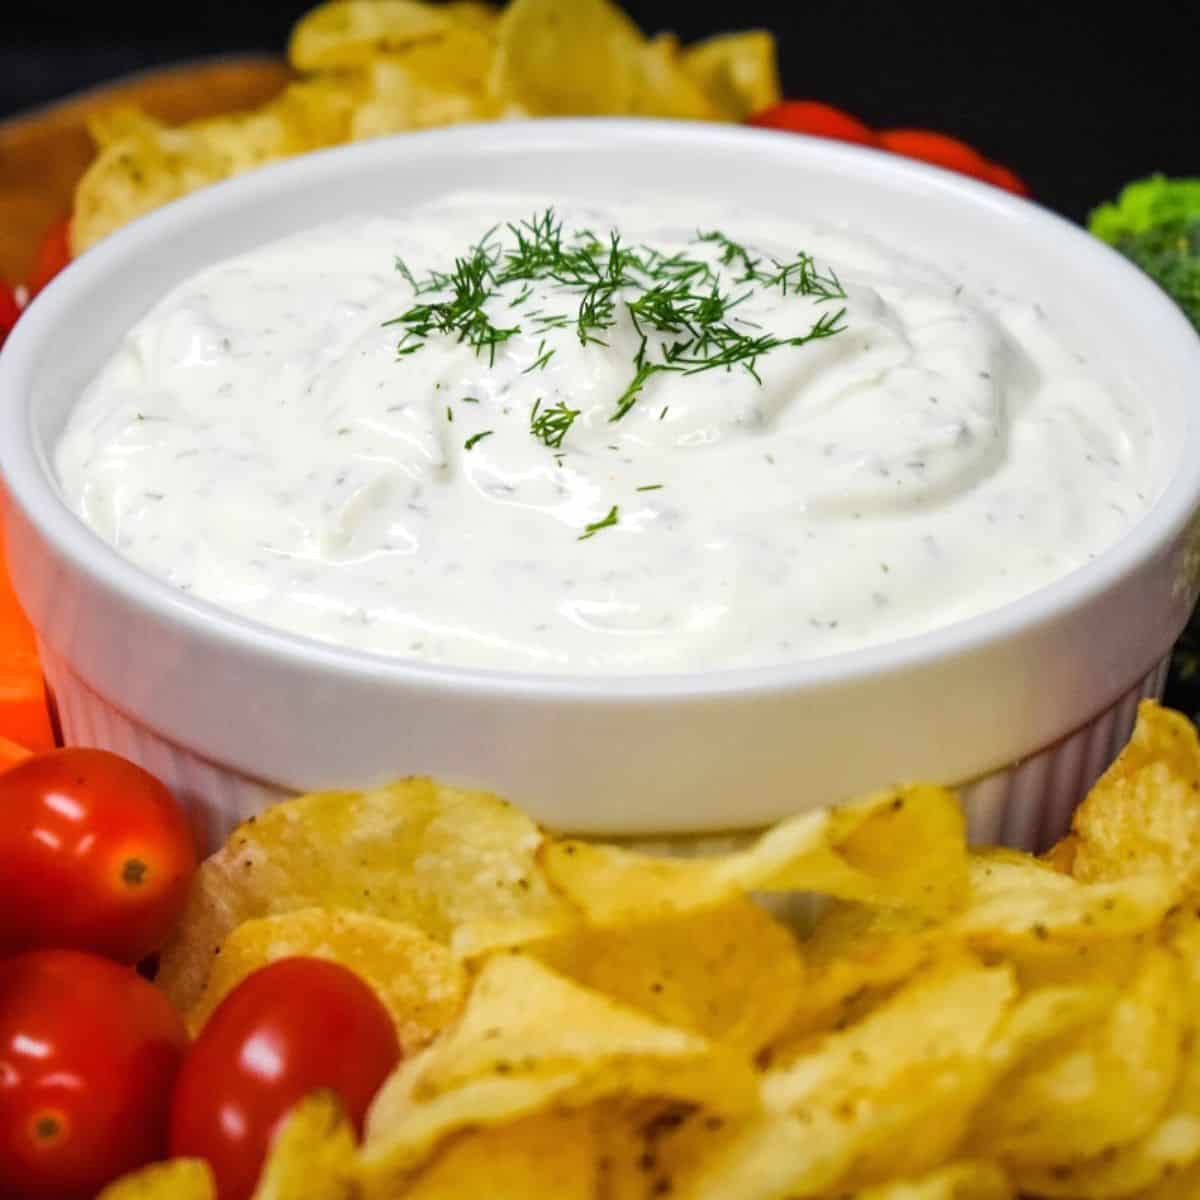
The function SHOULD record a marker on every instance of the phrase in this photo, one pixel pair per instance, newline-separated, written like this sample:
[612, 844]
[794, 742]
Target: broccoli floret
[1156, 223]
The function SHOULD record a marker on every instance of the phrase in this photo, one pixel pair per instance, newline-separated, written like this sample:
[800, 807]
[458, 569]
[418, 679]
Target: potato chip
[904, 847]
[483, 18]
[664, 89]
[460, 866]
[529, 1039]
[312, 1155]
[899, 1087]
[1019, 903]
[730, 974]
[110, 125]
[180, 1179]
[396, 98]
[1184, 1186]
[548, 1157]
[419, 981]
[1143, 817]
[145, 164]
[556, 59]
[1101, 1087]
[145, 168]
[959, 1181]
[351, 33]
[854, 956]
[1174, 1142]
[689, 1154]
[738, 72]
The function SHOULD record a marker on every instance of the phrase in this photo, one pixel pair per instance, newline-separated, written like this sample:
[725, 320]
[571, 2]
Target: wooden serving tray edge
[43, 153]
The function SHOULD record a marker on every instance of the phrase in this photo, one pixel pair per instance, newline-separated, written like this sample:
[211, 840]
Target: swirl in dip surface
[490, 481]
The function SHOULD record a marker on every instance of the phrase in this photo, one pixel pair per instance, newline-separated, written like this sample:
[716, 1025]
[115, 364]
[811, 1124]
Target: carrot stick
[11, 754]
[24, 717]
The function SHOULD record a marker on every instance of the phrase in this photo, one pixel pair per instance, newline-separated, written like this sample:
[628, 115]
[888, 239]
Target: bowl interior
[970, 228]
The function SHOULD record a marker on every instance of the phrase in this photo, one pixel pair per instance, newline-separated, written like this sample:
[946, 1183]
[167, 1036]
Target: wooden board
[43, 154]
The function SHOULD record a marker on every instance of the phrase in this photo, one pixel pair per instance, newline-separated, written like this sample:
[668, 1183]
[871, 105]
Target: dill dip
[507, 432]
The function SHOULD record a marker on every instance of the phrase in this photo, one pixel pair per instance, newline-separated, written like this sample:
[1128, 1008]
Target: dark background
[1076, 97]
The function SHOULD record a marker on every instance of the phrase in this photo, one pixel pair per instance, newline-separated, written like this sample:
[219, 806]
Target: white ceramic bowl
[1024, 704]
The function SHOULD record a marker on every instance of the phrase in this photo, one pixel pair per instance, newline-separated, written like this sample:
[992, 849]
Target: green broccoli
[1156, 223]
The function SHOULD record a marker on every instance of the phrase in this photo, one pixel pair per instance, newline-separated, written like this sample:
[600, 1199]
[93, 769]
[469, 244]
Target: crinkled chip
[1101, 1087]
[1184, 1186]
[1143, 817]
[556, 59]
[1018, 902]
[731, 974]
[179, 1179]
[854, 956]
[530, 1039]
[738, 72]
[312, 1155]
[665, 89]
[351, 33]
[136, 172]
[904, 847]
[481, 17]
[959, 1181]
[551, 1156]
[397, 98]
[1173, 1143]
[144, 164]
[461, 866]
[686, 1153]
[421, 983]
[898, 1088]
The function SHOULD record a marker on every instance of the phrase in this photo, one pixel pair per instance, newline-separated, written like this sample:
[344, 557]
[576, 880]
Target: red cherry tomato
[88, 1053]
[940, 149]
[94, 854]
[290, 1028]
[1010, 181]
[53, 255]
[816, 119]
[10, 311]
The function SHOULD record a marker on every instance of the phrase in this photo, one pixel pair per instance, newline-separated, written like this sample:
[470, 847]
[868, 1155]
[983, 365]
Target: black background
[1078, 98]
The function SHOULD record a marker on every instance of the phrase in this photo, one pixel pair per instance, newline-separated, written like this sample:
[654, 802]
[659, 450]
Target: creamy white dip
[258, 441]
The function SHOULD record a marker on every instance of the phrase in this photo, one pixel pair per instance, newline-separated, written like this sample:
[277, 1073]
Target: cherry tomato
[10, 311]
[940, 149]
[88, 1053]
[290, 1028]
[95, 854]
[816, 119]
[1010, 181]
[53, 255]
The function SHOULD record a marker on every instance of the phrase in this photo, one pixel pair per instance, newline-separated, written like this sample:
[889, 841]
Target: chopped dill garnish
[606, 522]
[683, 307]
[544, 356]
[476, 438]
[550, 425]
[649, 487]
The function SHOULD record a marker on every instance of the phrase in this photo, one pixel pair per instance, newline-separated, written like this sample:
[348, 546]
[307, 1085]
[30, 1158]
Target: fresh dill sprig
[680, 300]
[605, 522]
[551, 425]
[539, 363]
[462, 314]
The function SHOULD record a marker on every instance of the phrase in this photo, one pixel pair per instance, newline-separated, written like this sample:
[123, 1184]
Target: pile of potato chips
[585, 1021]
[371, 67]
